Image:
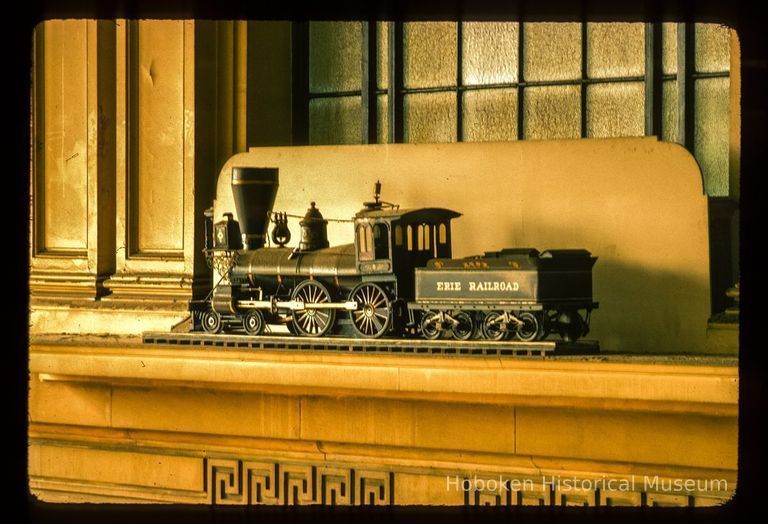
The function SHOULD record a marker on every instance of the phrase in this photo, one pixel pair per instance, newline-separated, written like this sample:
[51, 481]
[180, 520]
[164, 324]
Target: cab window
[364, 242]
[410, 237]
[420, 237]
[381, 241]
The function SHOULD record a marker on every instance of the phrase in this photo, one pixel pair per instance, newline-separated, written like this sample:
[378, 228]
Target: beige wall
[637, 204]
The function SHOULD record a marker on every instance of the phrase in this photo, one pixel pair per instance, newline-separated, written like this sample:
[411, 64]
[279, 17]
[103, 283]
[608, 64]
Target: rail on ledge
[400, 346]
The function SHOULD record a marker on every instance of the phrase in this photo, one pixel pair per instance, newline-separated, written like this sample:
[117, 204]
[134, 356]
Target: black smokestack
[254, 190]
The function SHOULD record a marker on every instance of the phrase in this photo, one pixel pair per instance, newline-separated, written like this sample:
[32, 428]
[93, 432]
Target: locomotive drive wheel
[253, 322]
[465, 327]
[429, 329]
[530, 329]
[373, 315]
[312, 322]
[492, 328]
[211, 322]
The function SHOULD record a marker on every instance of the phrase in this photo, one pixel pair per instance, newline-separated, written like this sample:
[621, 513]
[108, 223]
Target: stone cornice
[680, 385]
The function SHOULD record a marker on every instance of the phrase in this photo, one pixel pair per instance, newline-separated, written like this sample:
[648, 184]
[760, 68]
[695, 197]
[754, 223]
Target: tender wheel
[373, 315]
[570, 325]
[465, 327]
[253, 322]
[492, 328]
[429, 330]
[479, 319]
[530, 329]
[211, 322]
[312, 322]
[548, 322]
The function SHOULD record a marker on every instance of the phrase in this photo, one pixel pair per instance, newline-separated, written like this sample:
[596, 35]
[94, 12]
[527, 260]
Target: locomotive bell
[281, 234]
[314, 230]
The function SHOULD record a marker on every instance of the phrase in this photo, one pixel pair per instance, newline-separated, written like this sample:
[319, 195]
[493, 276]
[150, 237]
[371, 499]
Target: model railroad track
[398, 346]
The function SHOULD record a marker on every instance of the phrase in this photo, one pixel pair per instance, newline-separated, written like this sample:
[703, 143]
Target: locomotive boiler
[397, 278]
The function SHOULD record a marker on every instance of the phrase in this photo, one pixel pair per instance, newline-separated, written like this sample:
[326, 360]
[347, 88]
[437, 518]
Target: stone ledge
[677, 386]
[409, 459]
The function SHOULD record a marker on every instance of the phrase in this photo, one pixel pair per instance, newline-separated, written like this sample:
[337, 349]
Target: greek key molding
[246, 482]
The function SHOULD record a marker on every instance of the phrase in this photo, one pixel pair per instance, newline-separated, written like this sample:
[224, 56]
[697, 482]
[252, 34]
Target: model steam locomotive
[396, 279]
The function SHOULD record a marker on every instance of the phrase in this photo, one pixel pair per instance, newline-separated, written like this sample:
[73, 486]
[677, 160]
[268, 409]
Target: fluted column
[165, 170]
[73, 169]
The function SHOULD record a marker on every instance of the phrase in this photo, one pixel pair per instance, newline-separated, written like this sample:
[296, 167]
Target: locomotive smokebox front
[314, 230]
[254, 190]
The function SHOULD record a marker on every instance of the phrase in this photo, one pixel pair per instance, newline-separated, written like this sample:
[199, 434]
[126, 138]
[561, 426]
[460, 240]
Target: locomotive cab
[396, 241]
[373, 245]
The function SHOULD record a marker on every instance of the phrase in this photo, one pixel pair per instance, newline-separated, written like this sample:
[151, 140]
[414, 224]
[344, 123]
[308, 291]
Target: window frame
[653, 79]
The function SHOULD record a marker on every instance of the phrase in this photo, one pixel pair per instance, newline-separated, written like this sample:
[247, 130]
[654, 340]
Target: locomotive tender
[396, 279]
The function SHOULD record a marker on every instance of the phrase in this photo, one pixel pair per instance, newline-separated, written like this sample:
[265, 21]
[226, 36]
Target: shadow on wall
[640, 309]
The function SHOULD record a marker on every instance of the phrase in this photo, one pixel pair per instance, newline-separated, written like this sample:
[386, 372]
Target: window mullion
[584, 76]
[520, 79]
[685, 99]
[368, 101]
[395, 87]
[653, 79]
[300, 83]
[459, 83]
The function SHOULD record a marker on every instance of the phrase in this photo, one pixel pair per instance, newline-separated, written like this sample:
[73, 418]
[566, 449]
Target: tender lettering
[449, 286]
[494, 286]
